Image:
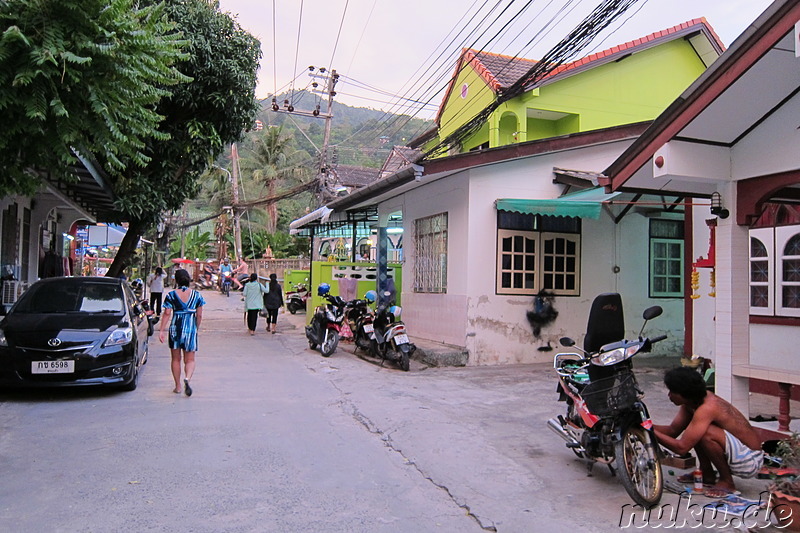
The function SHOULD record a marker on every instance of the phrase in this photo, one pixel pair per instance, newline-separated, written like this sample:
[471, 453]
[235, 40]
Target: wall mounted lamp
[716, 206]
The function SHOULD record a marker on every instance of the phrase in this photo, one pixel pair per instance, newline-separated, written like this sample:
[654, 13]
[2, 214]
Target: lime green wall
[325, 272]
[635, 89]
[294, 277]
[458, 110]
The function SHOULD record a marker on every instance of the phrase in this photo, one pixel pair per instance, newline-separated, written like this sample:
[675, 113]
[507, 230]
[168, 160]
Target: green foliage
[200, 117]
[282, 244]
[85, 75]
[195, 245]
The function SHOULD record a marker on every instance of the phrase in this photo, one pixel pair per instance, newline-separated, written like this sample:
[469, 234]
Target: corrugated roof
[352, 176]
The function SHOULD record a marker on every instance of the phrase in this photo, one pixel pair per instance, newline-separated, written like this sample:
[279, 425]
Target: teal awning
[582, 204]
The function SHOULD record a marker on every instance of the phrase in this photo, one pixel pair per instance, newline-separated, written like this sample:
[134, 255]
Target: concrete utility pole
[330, 78]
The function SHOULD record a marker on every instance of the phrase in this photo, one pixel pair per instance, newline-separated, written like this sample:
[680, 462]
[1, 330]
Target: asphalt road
[277, 438]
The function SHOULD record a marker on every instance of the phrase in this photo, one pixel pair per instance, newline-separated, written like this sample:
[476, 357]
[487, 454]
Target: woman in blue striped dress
[185, 307]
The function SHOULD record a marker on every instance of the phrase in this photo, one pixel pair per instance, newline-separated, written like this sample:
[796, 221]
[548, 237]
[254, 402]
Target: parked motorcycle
[607, 421]
[359, 318]
[389, 337]
[325, 326]
[297, 298]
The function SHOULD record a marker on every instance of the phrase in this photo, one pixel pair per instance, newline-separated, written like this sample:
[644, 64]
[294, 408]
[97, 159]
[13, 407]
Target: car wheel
[146, 352]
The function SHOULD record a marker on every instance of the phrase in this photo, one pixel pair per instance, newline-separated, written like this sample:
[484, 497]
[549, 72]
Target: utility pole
[330, 78]
[237, 213]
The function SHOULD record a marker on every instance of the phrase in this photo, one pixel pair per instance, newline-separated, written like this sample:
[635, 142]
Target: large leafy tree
[200, 117]
[80, 75]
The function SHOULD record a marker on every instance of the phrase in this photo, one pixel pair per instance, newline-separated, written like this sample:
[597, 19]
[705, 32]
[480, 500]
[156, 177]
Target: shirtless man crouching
[720, 435]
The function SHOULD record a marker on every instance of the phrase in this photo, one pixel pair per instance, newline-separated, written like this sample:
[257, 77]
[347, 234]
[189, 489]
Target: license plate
[401, 338]
[368, 328]
[52, 367]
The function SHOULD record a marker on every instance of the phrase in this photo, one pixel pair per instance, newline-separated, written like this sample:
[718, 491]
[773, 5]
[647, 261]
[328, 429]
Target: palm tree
[275, 163]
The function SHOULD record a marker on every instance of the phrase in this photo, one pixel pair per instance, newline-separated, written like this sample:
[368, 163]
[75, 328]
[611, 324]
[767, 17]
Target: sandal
[187, 387]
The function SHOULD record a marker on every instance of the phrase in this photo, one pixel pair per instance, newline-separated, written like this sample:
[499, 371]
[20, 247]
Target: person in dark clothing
[273, 301]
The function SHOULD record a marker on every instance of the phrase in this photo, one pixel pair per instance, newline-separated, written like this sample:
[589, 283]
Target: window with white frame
[430, 244]
[666, 258]
[536, 252]
[775, 271]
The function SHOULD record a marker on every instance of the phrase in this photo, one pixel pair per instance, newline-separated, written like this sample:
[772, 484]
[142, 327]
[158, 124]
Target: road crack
[353, 411]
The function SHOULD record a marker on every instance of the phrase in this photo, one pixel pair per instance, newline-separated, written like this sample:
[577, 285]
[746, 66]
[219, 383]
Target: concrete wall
[493, 327]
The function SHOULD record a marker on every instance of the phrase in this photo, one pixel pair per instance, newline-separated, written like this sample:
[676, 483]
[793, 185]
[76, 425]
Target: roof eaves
[756, 41]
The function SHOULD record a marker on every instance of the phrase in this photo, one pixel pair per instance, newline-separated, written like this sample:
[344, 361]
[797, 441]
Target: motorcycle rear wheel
[292, 307]
[639, 466]
[330, 343]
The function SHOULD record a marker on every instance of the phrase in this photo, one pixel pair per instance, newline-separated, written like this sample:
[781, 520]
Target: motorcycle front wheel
[330, 343]
[639, 467]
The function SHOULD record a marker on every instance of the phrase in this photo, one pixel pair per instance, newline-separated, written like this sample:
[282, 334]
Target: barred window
[430, 243]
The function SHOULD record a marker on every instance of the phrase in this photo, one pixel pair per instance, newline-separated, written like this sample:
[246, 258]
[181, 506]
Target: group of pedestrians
[183, 313]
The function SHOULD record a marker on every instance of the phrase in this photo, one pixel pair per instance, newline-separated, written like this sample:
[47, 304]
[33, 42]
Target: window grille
[430, 243]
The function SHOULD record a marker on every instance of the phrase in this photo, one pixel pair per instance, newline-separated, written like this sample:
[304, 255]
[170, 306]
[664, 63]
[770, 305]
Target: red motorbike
[607, 420]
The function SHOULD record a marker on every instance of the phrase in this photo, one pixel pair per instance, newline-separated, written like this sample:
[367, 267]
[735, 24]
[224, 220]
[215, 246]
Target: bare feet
[176, 390]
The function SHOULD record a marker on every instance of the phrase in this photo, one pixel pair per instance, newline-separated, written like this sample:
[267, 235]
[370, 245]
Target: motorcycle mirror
[566, 341]
[652, 312]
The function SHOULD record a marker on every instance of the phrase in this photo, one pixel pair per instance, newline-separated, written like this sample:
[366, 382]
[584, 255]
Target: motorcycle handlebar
[657, 339]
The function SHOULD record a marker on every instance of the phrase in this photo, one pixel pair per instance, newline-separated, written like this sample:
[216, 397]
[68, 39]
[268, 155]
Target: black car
[74, 331]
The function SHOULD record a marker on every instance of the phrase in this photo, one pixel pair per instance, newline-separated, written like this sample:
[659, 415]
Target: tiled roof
[401, 157]
[351, 176]
[501, 71]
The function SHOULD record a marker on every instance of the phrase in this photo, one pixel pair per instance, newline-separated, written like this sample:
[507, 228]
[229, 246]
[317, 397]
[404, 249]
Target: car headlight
[119, 337]
[3, 341]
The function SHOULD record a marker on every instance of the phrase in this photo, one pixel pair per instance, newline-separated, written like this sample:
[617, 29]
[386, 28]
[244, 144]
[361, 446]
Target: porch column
[732, 332]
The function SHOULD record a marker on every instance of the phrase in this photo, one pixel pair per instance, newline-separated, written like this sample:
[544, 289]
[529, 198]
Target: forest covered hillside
[359, 136]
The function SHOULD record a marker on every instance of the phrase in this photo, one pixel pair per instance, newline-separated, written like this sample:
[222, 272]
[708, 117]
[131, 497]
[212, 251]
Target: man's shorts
[743, 461]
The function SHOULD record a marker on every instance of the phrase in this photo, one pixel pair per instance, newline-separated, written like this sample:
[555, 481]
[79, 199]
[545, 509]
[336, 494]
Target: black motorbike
[389, 337]
[607, 420]
[359, 319]
[326, 324]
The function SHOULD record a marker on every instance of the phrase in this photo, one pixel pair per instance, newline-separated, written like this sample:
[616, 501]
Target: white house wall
[493, 327]
[436, 317]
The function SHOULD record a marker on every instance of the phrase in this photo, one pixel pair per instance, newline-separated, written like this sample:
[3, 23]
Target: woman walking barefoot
[185, 307]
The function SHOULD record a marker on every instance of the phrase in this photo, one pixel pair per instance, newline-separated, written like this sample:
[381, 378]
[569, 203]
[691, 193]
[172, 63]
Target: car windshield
[71, 298]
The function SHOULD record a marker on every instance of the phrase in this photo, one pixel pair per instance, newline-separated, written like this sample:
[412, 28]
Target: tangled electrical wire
[563, 52]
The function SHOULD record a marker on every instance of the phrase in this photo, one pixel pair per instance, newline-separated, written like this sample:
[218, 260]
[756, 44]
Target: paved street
[278, 438]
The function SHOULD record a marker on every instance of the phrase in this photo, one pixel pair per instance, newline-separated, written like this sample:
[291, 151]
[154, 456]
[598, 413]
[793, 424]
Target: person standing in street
[273, 301]
[184, 306]
[155, 282]
[253, 302]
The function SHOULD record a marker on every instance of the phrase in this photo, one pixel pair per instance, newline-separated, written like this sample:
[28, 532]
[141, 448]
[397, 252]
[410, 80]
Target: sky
[398, 55]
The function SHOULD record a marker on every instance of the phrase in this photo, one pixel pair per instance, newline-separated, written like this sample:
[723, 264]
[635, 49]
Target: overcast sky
[388, 48]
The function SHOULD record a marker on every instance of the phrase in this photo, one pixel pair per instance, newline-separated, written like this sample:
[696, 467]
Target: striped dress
[183, 328]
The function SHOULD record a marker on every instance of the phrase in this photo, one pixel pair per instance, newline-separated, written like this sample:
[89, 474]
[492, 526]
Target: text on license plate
[401, 338]
[52, 367]
[368, 328]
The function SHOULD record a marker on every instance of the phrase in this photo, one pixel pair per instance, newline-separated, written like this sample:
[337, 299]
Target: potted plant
[786, 491]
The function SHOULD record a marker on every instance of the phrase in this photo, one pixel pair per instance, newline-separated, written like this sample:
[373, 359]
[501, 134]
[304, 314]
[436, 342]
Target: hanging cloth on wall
[348, 288]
